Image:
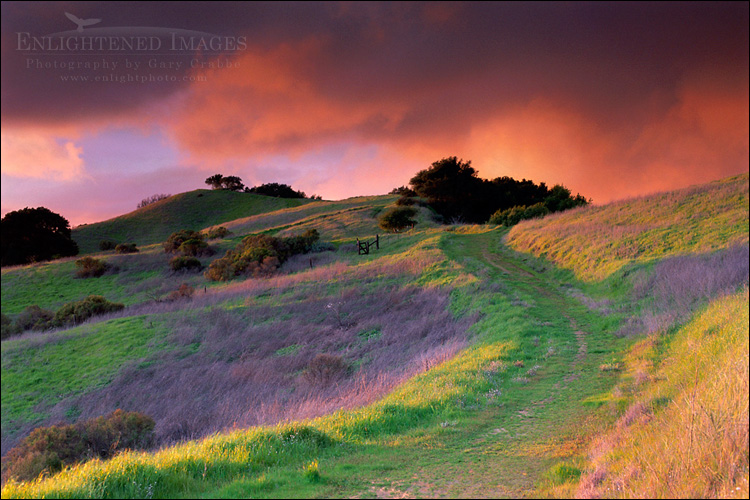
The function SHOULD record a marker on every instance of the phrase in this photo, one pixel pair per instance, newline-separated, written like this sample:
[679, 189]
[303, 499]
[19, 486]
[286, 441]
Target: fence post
[377, 241]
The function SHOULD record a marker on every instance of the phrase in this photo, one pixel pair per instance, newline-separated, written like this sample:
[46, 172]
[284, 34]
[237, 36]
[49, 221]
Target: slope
[191, 210]
[596, 241]
[514, 413]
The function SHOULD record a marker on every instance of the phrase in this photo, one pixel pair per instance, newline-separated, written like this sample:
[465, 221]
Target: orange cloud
[38, 154]
[268, 104]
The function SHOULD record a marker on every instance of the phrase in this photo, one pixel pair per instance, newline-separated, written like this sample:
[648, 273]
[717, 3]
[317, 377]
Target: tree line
[455, 191]
[234, 183]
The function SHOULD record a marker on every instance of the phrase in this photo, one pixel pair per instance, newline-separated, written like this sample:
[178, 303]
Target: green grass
[596, 241]
[53, 284]
[194, 210]
[516, 413]
[40, 372]
[477, 389]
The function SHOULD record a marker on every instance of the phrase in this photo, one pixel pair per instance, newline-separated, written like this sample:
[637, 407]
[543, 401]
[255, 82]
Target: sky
[107, 103]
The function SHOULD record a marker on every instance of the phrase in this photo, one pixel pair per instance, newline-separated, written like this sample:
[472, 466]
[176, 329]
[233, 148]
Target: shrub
[34, 318]
[89, 267]
[7, 327]
[126, 248]
[325, 368]
[218, 232]
[397, 218]
[260, 255]
[513, 216]
[75, 312]
[405, 201]
[221, 269]
[176, 239]
[403, 191]
[184, 292]
[195, 247]
[183, 263]
[277, 190]
[105, 245]
[153, 199]
[49, 449]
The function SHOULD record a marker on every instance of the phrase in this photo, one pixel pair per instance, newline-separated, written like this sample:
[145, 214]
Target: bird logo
[81, 22]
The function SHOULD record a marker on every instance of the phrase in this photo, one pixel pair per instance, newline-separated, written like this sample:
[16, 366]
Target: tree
[452, 188]
[277, 190]
[35, 234]
[215, 181]
[397, 218]
[153, 199]
[232, 183]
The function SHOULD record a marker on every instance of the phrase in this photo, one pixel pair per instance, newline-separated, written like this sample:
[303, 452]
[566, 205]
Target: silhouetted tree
[403, 191]
[35, 234]
[452, 188]
[152, 199]
[232, 183]
[215, 181]
[277, 190]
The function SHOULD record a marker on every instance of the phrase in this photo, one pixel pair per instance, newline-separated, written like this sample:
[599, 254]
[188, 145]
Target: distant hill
[192, 210]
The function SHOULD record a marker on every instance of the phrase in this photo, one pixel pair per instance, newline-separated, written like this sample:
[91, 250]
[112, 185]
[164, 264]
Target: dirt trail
[497, 463]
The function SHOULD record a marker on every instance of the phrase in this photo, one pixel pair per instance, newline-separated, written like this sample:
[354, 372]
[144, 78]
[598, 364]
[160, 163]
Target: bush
[260, 255]
[89, 267]
[35, 318]
[405, 201]
[325, 368]
[73, 313]
[276, 190]
[105, 245]
[8, 328]
[397, 218]
[513, 216]
[183, 263]
[126, 248]
[403, 191]
[218, 232]
[195, 247]
[152, 199]
[49, 449]
[176, 239]
[184, 292]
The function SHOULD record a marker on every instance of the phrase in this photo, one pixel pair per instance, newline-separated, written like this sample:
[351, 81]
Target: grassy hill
[596, 241]
[192, 210]
[462, 365]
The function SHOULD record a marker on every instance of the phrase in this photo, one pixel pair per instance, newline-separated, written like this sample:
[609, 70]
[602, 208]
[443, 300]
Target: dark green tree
[277, 190]
[397, 218]
[452, 188]
[232, 183]
[215, 181]
[35, 234]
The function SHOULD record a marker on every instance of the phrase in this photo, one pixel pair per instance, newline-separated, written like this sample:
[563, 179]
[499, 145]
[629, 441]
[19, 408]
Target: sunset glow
[611, 99]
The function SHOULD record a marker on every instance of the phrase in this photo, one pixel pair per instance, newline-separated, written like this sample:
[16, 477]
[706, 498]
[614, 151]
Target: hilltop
[456, 360]
[191, 210]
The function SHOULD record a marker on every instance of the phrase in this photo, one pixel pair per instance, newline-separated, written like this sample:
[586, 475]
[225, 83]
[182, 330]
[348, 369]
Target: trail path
[504, 451]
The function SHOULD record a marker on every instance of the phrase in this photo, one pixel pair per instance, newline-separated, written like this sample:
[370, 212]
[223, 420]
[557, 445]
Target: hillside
[459, 364]
[596, 241]
[192, 210]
